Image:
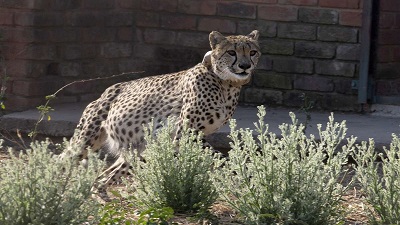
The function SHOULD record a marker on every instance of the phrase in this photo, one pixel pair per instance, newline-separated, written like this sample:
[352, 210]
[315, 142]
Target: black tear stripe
[235, 56]
[251, 60]
[234, 61]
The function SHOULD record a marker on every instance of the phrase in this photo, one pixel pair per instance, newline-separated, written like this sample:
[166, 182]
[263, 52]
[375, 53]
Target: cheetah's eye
[231, 52]
[253, 53]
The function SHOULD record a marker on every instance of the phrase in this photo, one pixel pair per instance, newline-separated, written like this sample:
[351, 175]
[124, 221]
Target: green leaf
[50, 97]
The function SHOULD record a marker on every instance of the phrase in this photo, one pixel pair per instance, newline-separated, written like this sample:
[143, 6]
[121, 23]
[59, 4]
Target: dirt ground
[353, 200]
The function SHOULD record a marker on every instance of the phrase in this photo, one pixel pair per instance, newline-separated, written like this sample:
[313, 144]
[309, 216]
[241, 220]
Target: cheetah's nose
[244, 66]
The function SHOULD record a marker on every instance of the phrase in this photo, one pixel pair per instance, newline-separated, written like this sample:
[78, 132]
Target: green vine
[306, 108]
[45, 109]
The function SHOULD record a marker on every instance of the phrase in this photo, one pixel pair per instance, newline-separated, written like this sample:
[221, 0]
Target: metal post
[365, 52]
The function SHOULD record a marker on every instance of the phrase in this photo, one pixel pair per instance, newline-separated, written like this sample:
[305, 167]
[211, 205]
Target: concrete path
[65, 118]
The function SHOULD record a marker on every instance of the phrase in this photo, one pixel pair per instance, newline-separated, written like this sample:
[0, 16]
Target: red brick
[297, 31]
[125, 34]
[160, 5]
[299, 2]
[335, 68]
[222, 25]
[350, 18]
[390, 5]
[64, 34]
[147, 19]
[179, 22]
[343, 86]
[69, 69]
[237, 10]
[18, 103]
[27, 69]
[25, 4]
[116, 50]
[39, 52]
[142, 50]
[350, 4]
[389, 37]
[85, 19]
[20, 68]
[95, 68]
[79, 88]
[99, 4]
[383, 87]
[260, 1]
[80, 51]
[159, 36]
[39, 19]
[197, 7]
[65, 5]
[386, 20]
[314, 83]
[293, 65]
[34, 88]
[119, 19]
[13, 50]
[396, 54]
[21, 34]
[6, 18]
[397, 21]
[98, 34]
[279, 13]
[193, 39]
[385, 53]
[129, 4]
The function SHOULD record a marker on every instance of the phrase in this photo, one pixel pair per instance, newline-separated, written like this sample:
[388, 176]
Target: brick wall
[49, 43]
[387, 59]
[309, 46]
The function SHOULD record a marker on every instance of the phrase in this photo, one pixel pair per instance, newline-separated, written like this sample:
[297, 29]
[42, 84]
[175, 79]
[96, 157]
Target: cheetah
[205, 95]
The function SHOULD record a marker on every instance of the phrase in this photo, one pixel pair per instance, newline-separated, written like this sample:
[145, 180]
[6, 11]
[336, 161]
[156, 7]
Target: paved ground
[65, 117]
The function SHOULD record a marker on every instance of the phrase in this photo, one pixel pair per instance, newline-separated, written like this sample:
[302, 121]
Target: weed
[46, 108]
[291, 179]
[175, 173]
[3, 85]
[35, 188]
[379, 176]
[154, 216]
[307, 106]
[118, 211]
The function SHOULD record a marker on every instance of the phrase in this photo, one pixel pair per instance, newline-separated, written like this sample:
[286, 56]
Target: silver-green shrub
[36, 188]
[379, 176]
[175, 173]
[292, 179]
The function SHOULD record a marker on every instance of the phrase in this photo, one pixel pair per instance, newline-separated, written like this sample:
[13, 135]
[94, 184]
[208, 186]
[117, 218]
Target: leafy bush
[175, 173]
[291, 179]
[36, 188]
[379, 176]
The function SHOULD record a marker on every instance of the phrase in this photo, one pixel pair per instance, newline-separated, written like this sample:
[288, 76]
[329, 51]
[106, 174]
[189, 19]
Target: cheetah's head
[234, 58]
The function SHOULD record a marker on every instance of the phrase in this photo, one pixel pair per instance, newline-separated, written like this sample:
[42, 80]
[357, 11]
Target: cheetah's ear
[254, 35]
[215, 38]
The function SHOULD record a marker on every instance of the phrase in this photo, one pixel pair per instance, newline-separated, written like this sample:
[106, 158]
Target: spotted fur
[206, 95]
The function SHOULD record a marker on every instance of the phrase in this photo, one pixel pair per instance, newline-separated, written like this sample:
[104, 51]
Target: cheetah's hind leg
[112, 175]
